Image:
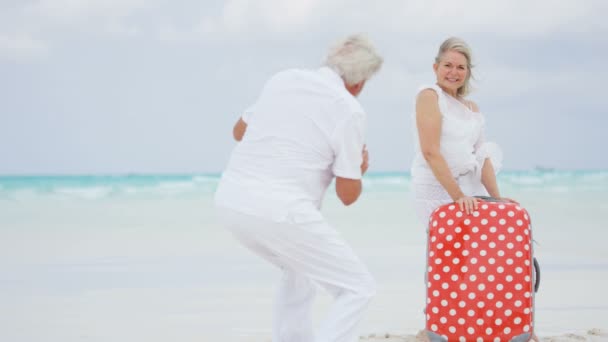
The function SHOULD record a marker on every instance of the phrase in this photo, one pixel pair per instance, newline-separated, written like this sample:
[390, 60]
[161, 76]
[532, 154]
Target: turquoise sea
[141, 257]
[139, 185]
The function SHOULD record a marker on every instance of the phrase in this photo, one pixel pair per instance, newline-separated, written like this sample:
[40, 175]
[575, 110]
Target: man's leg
[292, 312]
[315, 251]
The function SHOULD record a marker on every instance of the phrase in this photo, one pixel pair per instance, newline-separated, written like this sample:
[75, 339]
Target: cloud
[21, 47]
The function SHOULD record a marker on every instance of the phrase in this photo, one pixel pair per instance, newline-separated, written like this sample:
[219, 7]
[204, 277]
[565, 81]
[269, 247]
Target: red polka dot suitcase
[481, 274]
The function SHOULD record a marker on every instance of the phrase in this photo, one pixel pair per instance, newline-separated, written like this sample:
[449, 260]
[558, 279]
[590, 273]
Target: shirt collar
[331, 74]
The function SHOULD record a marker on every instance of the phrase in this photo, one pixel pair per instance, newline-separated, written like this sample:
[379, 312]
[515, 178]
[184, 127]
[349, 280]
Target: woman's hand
[467, 204]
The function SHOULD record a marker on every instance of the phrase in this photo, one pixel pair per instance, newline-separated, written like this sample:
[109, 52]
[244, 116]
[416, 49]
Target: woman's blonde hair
[458, 45]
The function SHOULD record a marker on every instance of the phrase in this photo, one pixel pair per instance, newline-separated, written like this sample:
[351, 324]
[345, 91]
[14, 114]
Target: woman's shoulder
[428, 92]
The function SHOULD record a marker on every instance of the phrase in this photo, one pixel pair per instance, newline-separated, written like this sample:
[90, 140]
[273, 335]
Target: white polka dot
[510, 245]
[519, 238]
[489, 313]
[430, 268]
[465, 253]
[490, 296]
[491, 261]
[471, 313]
[459, 214]
[507, 330]
[434, 327]
[501, 253]
[511, 213]
[479, 339]
[464, 269]
[500, 269]
[443, 320]
[453, 295]
[456, 261]
[452, 313]
[509, 278]
[472, 295]
[484, 237]
[472, 277]
[475, 230]
[428, 317]
[527, 247]
[501, 206]
[476, 214]
[519, 254]
[508, 295]
[518, 303]
[452, 329]
[436, 277]
[491, 277]
[526, 328]
[517, 320]
[501, 237]
[444, 303]
[527, 294]
[437, 261]
[467, 222]
[450, 222]
[508, 313]
[454, 277]
[481, 287]
[481, 305]
[429, 284]
[442, 214]
[509, 261]
[446, 269]
[458, 230]
[492, 245]
[466, 237]
[434, 223]
[457, 245]
[483, 252]
[474, 245]
[519, 287]
[499, 304]
[482, 269]
[498, 321]
[484, 221]
[431, 253]
[527, 311]
[462, 304]
[449, 238]
[461, 321]
[520, 222]
[440, 246]
[463, 286]
[435, 293]
[428, 300]
[496, 339]
[479, 321]
[519, 270]
[493, 213]
[471, 331]
[499, 287]
[489, 331]
[452, 207]
[435, 310]
[447, 253]
[445, 286]
[473, 261]
[493, 229]
[502, 221]
[527, 262]
[511, 230]
[484, 206]
[441, 230]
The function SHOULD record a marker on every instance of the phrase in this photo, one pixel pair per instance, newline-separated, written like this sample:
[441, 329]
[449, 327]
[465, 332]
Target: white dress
[464, 148]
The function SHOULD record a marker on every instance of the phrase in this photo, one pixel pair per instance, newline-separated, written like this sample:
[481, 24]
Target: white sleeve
[347, 141]
[247, 113]
[487, 149]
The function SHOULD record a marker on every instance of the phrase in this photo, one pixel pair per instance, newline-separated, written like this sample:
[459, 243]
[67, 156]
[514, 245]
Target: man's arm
[348, 190]
[239, 129]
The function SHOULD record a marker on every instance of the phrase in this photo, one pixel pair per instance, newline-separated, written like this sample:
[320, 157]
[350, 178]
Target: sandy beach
[151, 264]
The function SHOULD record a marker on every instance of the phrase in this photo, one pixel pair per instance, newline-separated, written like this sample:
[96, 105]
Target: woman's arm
[428, 123]
[488, 178]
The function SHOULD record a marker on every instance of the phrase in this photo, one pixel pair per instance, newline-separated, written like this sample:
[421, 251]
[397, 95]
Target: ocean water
[141, 257]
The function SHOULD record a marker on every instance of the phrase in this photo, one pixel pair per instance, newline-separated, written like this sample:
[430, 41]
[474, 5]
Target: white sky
[138, 86]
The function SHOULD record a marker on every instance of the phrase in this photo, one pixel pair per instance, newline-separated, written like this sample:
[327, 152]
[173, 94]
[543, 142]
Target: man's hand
[365, 163]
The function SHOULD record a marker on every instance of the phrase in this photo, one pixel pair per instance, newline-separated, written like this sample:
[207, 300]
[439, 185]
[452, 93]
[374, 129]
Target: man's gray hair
[354, 58]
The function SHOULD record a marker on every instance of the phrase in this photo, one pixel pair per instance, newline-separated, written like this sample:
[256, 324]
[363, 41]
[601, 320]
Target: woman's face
[451, 71]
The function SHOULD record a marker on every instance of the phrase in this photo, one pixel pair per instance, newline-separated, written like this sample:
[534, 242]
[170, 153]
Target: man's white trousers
[307, 253]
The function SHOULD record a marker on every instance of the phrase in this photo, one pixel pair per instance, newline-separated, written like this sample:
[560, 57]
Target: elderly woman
[453, 162]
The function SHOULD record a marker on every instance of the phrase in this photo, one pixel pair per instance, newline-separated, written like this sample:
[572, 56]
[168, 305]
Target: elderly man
[306, 128]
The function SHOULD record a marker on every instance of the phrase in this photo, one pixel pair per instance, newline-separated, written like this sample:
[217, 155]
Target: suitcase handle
[536, 275]
[489, 199]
